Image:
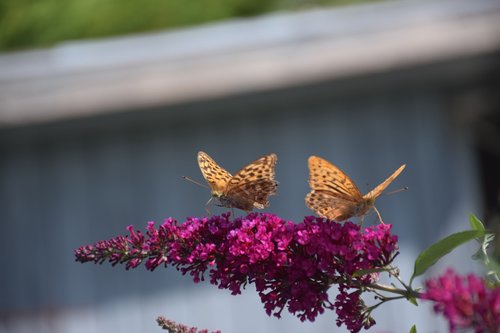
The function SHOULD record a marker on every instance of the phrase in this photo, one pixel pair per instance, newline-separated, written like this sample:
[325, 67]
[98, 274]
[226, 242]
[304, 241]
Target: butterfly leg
[361, 220]
[378, 214]
[207, 205]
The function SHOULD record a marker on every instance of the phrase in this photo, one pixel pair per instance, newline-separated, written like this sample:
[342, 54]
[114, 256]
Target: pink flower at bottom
[466, 302]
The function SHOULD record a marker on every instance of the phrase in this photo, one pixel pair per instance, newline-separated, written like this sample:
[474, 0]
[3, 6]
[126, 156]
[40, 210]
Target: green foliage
[486, 242]
[436, 251]
[433, 253]
[413, 300]
[413, 329]
[475, 223]
[36, 23]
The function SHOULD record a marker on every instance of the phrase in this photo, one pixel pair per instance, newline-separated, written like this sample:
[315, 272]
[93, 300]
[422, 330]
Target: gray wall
[68, 184]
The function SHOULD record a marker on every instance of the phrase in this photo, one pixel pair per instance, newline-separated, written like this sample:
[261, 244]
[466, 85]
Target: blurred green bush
[42, 23]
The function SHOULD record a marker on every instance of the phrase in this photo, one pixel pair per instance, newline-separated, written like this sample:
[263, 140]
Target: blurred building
[95, 136]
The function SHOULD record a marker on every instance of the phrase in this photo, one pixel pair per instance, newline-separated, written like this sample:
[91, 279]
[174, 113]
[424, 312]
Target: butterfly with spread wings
[249, 188]
[335, 196]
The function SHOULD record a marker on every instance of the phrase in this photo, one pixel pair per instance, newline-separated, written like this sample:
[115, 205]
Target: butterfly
[335, 196]
[249, 188]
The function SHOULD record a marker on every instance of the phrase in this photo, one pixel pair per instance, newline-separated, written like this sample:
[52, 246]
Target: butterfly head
[364, 206]
[369, 201]
[218, 194]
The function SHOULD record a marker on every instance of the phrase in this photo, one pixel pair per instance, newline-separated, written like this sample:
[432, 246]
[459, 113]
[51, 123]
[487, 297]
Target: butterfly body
[249, 188]
[334, 195]
[240, 203]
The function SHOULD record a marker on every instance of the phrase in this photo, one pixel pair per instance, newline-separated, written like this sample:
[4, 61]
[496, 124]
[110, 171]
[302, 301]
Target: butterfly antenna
[194, 182]
[398, 190]
[378, 214]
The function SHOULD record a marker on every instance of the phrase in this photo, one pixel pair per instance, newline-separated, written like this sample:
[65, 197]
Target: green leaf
[436, 251]
[362, 272]
[413, 300]
[413, 329]
[475, 223]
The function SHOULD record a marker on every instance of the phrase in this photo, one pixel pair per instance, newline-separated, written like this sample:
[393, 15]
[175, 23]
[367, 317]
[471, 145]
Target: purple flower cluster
[466, 302]
[173, 327]
[291, 265]
[351, 310]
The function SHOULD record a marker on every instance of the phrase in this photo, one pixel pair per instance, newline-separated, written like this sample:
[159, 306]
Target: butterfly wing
[330, 207]
[333, 194]
[254, 183]
[216, 176]
[373, 194]
[327, 177]
[252, 194]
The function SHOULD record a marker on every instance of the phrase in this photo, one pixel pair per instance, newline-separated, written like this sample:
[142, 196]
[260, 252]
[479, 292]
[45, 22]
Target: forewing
[330, 207]
[324, 176]
[373, 194]
[263, 168]
[216, 176]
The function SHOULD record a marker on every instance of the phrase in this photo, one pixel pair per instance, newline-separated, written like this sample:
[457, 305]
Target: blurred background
[104, 105]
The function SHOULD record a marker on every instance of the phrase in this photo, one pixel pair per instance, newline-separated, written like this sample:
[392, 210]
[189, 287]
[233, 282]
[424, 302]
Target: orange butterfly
[249, 188]
[335, 196]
